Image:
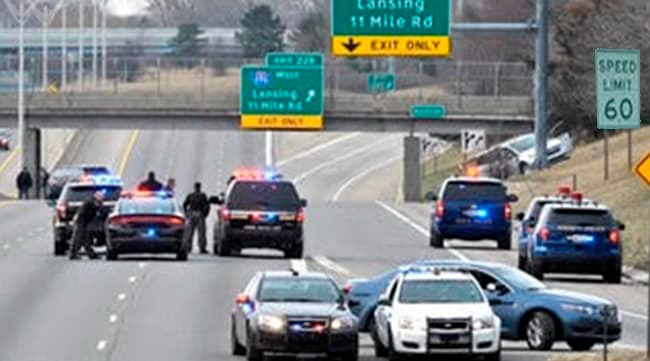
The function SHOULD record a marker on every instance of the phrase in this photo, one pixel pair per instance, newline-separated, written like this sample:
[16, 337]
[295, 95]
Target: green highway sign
[295, 59]
[428, 111]
[391, 27]
[281, 98]
[618, 88]
[381, 82]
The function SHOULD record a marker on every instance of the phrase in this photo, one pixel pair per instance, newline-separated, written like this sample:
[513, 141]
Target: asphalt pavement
[145, 308]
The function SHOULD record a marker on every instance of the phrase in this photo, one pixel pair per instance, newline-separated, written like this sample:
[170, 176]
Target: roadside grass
[447, 165]
[623, 192]
[613, 356]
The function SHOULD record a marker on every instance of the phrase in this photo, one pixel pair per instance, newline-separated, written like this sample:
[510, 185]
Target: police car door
[383, 313]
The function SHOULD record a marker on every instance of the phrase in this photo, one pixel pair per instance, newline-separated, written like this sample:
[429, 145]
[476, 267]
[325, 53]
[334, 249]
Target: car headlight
[272, 324]
[342, 323]
[582, 309]
[483, 323]
[411, 323]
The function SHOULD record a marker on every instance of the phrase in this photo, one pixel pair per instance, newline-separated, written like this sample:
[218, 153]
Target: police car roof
[286, 274]
[431, 274]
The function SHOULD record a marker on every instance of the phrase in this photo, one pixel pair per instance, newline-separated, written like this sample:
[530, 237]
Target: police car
[259, 210]
[74, 194]
[430, 311]
[146, 222]
[472, 208]
[579, 237]
[291, 313]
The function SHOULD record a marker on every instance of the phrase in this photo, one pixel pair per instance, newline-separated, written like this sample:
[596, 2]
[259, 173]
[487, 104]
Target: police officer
[150, 184]
[85, 215]
[197, 208]
[170, 186]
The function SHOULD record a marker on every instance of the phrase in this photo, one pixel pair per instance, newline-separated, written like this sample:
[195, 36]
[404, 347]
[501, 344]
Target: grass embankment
[446, 165]
[613, 356]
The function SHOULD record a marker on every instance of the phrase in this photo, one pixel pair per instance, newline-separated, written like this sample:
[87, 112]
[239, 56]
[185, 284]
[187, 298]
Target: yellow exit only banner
[282, 122]
[391, 46]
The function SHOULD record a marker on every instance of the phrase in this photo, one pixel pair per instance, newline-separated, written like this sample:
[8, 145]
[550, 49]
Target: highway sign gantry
[618, 88]
[642, 169]
[289, 98]
[391, 27]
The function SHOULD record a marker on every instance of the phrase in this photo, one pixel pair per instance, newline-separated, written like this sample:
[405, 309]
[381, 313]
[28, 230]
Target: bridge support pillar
[31, 158]
[412, 182]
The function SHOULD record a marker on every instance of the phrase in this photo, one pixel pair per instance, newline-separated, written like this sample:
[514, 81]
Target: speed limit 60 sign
[618, 88]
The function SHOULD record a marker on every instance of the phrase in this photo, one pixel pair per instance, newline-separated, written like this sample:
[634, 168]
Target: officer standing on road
[151, 184]
[197, 207]
[170, 186]
[24, 183]
[85, 215]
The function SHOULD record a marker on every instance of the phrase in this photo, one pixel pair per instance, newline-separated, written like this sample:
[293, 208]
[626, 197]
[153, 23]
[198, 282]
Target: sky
[126, 7]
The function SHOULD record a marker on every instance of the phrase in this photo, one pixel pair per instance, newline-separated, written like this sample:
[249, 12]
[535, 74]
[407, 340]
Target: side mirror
[621, 226]
[430, 196]
[520, 216]
[383, 301]
[512, 198]
[216, 200]
[303, 203]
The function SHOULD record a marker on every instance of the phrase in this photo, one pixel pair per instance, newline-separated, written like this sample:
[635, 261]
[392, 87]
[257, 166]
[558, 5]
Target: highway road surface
[52, 309]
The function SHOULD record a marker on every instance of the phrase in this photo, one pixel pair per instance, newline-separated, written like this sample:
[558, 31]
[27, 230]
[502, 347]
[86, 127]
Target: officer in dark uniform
[197, 208]
[85, 215]
[150, 184]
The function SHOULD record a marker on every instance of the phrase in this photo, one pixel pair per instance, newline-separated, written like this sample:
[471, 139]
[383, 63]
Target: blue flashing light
[481, 213]
[296, 327]
[248, 308]
[152, 233]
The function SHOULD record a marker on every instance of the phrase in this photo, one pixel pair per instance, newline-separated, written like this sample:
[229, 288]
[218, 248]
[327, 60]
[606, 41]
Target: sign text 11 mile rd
[391, 27]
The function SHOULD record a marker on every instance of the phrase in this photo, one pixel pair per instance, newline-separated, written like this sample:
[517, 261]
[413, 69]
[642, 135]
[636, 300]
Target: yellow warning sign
[282, 122]
[642, 169]
[391, 46]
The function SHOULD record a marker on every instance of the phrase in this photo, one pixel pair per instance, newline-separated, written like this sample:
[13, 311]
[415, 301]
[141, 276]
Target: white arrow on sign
[473, 140]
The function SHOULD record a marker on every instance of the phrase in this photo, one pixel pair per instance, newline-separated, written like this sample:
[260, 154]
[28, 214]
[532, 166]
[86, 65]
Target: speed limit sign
[618, 88]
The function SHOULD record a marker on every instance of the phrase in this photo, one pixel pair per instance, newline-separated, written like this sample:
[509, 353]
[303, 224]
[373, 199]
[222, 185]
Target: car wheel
[505, 243]
[235, 347]
[252, 353]
[295, 252]
[524, 168]
[380, 349]
[521, 263]
[580, 345]
[352, 356]
[60, 248]
[613, 276]
[111, 255]
[540, 331]
[493, 357]
[223, 250]
[181, 255]
[393, 355]
[436, 240]
[535, 270]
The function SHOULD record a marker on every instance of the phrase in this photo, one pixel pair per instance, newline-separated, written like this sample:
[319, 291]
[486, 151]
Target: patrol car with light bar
[289, 313]
[579, 237]
[472, 208]
[146, 222]
[74, 194]
[431, 311]
[259, 210]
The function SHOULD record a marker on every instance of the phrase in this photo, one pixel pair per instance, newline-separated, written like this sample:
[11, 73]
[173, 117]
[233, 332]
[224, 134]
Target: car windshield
[518, 279]
[444, 291]
[580, 217]
[83, 193]
[475, 192]
[147, 206]
[263, 196]
[298, 289]
[99, 170]
[523, 144]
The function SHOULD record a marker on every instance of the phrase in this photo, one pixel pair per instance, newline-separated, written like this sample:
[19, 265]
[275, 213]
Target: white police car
[435, 311]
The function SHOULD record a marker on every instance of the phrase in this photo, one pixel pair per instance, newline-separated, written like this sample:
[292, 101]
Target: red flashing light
[300, 216]
[135, 219]
[256, 217]
[242, 299]
[347, 288]
[60, 210]
[564, 191]
[545, 234]
[577, 197]
[472, 171]
[615, 237]
[507, 211]
[440, 209]
[225, 214]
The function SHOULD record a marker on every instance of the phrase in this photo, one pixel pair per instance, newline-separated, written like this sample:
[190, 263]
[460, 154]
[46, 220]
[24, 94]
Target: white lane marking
[317, 148]
[101, 345]
[626, 346]
[634, 315]
[121, 297]
[132, 279]
[331, 265]
[268, 136]
[363, 174]
[419, 228]
[142, 265]
[299, 265]
[112, 318]
[335, 161]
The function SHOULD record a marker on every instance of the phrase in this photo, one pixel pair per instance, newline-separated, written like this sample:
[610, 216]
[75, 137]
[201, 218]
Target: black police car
[259, 210]
[146, 222]
[287, 313]
[72, 197]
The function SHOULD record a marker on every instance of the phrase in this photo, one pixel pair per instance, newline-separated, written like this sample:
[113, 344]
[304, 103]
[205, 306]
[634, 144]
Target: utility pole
[45, 22]
[94, 3]
[541, 85]
[104, 45]
[64, 45]
[81, 45]
[21, 76]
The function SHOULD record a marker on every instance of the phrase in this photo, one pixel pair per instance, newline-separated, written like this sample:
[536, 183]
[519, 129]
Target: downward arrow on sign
[351, 45]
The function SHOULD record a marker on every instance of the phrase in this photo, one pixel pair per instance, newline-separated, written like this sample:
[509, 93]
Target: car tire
[236, 348]
[111, 255]
[493, 357]
[181, 255]
[524, 168]
[351, 356]
[436, 240]
[393, 355]
[295, 252]
[380, 349]
[252, 353]
[535, 270]
[521, 263]
[614, 276]
[580, 345]
[60, 248]
[222, 248]
[505, 243]
[539, 331]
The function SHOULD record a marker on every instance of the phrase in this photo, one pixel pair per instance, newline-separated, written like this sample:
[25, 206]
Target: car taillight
[544, 234]
[225, 214]
[300, 217]
[615, 237]
[347, 289]
[60, 210]
[168, 220]
[118, 221]
[440, 209]
[175, 221]
[507, 211]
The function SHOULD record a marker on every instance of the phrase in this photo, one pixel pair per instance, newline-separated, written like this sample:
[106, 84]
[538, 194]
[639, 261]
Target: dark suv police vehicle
[74, 194]
[472, 209]
[259, 212]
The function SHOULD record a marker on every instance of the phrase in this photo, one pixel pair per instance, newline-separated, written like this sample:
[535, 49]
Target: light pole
[45, 21]
[81, 45]
[104, 45]
[64, 45]
[94, 3]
